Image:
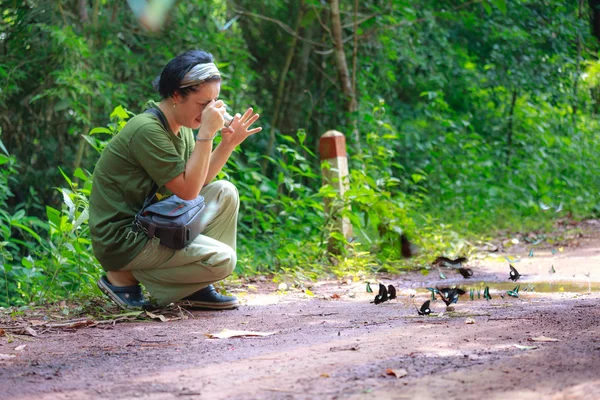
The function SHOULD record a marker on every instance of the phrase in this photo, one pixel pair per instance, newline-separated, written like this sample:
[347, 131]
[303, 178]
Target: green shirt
[142, 153]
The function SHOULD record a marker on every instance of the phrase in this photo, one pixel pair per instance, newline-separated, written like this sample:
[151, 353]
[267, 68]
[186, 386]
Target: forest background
[462, 118]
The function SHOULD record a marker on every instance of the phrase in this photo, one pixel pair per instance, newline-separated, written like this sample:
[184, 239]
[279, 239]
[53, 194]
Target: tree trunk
[510, 127]
[83, 11]
[342, 65]
[595, 17]
[281, 85]
[577, 65]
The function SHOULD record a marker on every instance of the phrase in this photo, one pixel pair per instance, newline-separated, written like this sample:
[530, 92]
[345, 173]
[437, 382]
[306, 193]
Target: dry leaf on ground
[30, 331]
[543, 339]
[469, 321]
[2, 331]
[21, 347]
[228, 333]
[6, 356]
[520, 347]
[159, 316]
[398, 373]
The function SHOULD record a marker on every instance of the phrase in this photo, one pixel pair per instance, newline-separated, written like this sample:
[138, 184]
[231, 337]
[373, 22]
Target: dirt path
[336, 345]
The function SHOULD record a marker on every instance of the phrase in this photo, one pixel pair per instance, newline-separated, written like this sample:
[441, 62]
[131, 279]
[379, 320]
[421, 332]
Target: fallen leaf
[398, 373]
[6, 356]
[252, 287]
[543, 339]
[324, 375]
[158, 316]
[2, 332]
[335, 296]
[309, 293]
[21, 347]
[469, 321]
[228, 333]
[518, 346]
[30, 331]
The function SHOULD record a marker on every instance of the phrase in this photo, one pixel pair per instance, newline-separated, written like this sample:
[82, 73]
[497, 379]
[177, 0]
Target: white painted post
[332, 148]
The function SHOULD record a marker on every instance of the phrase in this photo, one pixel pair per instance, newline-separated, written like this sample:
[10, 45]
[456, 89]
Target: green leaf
[501, 5]
[66, 177]
[28, 230]
[53, 216]
[486, 6]
[80, 174]
[417, 177]
[69, 202]
[100, 130]
[3, 148]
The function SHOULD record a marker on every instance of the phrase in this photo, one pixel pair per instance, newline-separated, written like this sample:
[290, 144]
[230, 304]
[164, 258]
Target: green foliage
[471, 115]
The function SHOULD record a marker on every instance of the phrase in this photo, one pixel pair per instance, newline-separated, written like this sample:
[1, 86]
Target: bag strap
[158, 114]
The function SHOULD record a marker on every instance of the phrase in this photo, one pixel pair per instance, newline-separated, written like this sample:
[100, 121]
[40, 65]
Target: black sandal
[125, 296]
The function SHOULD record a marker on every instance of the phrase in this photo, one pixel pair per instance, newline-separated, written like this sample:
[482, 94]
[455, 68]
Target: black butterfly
[382, 295]
[425, 310]
[385, 294]
[391, 292]
[446, 262]
[514, 274]
[450, 295]
[466, 272]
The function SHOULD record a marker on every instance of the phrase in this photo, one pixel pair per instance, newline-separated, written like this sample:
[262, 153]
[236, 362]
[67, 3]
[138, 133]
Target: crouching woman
[147, 152]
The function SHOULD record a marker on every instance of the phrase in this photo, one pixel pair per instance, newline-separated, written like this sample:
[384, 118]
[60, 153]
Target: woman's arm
[187, 185]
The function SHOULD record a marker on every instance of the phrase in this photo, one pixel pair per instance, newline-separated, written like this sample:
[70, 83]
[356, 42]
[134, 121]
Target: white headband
[199, 74]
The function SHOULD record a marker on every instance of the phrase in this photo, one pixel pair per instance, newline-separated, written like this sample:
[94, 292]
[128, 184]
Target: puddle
[525, 286]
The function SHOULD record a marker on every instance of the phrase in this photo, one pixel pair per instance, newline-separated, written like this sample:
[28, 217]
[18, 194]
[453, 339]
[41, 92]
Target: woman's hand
[212, 119]
[239, 129]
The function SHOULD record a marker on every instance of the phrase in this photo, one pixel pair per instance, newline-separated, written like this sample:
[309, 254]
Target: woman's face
[188, 111]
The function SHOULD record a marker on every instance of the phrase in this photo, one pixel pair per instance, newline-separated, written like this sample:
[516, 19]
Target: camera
[228, 119]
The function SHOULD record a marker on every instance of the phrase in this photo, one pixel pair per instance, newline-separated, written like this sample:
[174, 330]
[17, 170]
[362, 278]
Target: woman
[144, 152]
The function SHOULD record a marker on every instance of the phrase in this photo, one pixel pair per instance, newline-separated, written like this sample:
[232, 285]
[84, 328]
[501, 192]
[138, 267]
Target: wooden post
[332, 148]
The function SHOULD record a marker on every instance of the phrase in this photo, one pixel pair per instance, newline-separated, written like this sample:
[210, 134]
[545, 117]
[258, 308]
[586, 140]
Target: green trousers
[170, 275]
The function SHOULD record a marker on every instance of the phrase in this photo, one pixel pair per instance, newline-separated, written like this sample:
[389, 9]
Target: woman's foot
[209, 299]
[124, 296]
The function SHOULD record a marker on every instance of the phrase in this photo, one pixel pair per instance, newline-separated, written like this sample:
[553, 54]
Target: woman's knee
[227, 190]
[226, 260]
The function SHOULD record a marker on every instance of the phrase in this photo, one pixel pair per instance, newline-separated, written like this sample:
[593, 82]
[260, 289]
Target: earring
[174, 105]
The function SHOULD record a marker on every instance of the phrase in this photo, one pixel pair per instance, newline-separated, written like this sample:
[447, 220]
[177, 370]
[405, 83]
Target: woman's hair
[173, 73]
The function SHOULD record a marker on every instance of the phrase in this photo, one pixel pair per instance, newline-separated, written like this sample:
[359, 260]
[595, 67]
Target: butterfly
[514, 274]
[425, 310]
[446, 262]
[385, 294]
[450, 295]
[369, 290]
[514, 292]
[486, 293]
[466, 272]
[391, 292]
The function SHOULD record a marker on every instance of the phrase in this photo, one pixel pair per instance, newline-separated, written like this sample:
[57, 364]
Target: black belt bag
[174, 221]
